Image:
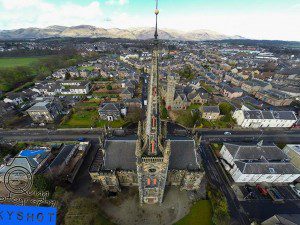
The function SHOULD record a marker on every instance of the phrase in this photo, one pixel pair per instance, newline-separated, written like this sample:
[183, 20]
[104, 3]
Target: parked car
[262, 190]
[295, 189]
[81, 139]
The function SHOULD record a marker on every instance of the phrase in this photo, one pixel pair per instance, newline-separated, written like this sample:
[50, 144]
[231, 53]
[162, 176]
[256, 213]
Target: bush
[225, 108]
[220, 207]
[109, 87]
[42, 183]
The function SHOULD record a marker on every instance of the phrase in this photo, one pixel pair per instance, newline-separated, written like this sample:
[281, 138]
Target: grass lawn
[200, 214]
[19, 61]
[89, 68]
[86, 116]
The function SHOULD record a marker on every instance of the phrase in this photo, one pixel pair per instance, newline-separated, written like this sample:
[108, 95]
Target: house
[258, 118]
[46, 111]
[84, 73]
[230, 92]
[283, 219]
[111, 111]
[31, 159]
[213, 78]
[7, 111]
[234, 79]
[60, 74]
[127, 93]
[73, 72]
[133, 103]
[210, 112]
[74, 87]
[293, 151]
[248, 163]
[255, 85]
[14, 98]
[274, 97]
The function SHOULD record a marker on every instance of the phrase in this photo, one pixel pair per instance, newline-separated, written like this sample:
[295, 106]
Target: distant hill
[94, 32]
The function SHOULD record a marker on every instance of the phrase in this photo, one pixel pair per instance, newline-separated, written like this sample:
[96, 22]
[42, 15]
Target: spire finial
[156, 13]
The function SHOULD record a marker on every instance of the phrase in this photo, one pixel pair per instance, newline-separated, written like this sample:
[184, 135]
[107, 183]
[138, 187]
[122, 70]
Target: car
[227, 133]
[295, 189]
[262, 190]
[81, 139]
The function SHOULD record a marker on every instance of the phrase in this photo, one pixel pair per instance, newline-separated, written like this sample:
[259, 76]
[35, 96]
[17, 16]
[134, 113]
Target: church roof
[120, 154]
[183, 154]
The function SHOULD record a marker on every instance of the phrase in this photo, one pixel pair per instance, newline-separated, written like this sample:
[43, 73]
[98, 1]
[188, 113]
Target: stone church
[151, 159]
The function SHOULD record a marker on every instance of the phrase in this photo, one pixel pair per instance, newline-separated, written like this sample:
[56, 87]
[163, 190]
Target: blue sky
[259, 19]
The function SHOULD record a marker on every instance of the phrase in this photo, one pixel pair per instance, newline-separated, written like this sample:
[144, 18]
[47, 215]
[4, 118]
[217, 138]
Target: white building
[75, 87]
[258, 164]
[258, 118]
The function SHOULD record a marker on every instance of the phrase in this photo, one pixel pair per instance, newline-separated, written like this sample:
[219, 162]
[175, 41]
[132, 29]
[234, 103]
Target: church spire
[156, 17]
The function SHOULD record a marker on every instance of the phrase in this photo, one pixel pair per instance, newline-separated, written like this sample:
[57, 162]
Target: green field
[18, 61]
[200, 214]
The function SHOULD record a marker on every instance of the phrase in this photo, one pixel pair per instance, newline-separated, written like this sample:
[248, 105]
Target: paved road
[286, 136]
[216, 178]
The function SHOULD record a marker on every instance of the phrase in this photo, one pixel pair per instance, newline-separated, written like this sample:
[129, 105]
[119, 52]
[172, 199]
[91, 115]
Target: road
[217, 179]
[285, 136]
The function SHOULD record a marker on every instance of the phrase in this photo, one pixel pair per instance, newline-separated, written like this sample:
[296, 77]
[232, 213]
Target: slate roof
[120, 154]
[183, 154]
[61, 157]
[254, 152]
[267, 168]
[258, 114]
[211, 109]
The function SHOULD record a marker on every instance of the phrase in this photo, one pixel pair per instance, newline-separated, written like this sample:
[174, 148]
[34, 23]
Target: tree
[225, 108]
[109, 87]
[42, 183]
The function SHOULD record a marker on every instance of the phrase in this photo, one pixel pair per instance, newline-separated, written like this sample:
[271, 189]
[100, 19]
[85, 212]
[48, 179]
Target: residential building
[248, 163]
[255, 85]
[127, 93]
[283, 219]
[293, 151]
[74, 87]
[274, 97]
[111, 111]
[14, 98]
[46, 111]
[230, 92]
[259, 118]
[210, 112]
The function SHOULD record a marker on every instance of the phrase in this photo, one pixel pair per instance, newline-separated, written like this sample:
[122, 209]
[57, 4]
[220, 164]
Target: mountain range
[95, 32]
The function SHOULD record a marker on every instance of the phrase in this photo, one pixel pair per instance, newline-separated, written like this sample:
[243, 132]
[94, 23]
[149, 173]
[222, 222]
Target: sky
[256, 19]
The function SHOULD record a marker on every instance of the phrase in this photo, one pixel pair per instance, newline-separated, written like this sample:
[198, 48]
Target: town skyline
[269, 20]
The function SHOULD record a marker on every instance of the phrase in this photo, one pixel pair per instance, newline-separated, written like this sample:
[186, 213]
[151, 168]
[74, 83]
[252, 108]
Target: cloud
[39, 13]
[116, 2]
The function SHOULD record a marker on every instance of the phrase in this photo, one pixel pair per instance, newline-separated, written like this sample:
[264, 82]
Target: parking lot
[252, 193]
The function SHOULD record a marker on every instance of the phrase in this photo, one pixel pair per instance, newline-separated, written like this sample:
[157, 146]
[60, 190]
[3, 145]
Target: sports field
[18, 61]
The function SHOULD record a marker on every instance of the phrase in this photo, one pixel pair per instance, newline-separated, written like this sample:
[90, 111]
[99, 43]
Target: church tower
[171, 87]
[151, 152]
